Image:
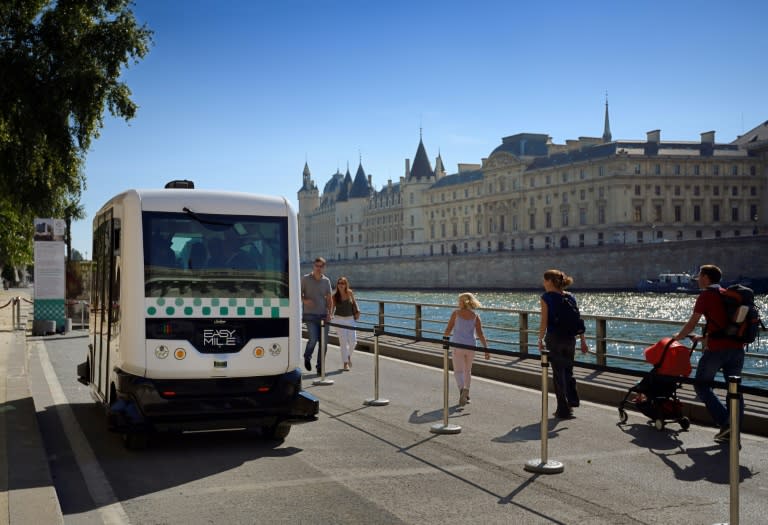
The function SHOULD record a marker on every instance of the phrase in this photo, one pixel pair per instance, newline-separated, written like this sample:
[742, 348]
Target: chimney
[407, 168]
[707, 147]
[654, 136]
[652, 145]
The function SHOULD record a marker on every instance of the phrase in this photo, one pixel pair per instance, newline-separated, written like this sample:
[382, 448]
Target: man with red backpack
[718, 353]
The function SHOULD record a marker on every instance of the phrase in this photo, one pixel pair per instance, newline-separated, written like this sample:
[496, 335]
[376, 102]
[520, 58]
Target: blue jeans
[313, 327]
[730, 362]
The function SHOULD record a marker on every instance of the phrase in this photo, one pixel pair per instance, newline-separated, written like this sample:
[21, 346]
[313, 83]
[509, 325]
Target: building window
[548, 219]
[639, 237]
[601, 215]
[695, 169]
[548, 180]
[582, 216]
[582, 174]
[600, 238]
[735, 170]
[637, 189]
[657, 190]
[601, 171]
[638, 214]
[697, 190]
[716, 212]
[565, 218]
[601, 192]
[679, 235]
[696, 213]
[716, 190]
[752, 170]
[716, 170]
[532, 221]
[677, 169]
[455, 230]
[466, 229]
[678, 213]
[735, 214]
[657, 169]
[637, 169]
[581, 240]
[734, 191]
[565, 177]
[583, 195]
[657, 213]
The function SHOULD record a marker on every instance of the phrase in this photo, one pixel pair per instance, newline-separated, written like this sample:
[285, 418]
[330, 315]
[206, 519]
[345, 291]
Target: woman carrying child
[345, 312]
[462, 328]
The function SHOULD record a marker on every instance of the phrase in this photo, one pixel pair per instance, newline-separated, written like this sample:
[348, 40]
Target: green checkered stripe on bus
[50, 310]
[160, 307]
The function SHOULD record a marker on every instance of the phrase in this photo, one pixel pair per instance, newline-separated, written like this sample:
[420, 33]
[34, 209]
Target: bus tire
[279, 432]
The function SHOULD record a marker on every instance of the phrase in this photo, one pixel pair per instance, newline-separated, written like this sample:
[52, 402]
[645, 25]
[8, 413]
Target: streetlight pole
[754, 228]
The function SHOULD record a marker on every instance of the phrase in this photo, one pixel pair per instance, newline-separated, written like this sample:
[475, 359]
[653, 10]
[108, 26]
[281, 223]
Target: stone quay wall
[608, 267]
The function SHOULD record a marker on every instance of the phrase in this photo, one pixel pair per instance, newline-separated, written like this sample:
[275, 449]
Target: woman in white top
[464, 324]
[345, 312]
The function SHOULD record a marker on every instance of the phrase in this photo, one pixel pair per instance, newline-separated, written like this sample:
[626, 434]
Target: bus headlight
[161, 352]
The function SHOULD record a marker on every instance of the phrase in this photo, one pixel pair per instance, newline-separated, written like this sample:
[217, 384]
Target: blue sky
[236, 95]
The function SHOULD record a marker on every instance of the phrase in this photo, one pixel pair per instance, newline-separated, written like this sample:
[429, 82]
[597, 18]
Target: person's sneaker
[307, 364]
[724, 435]
[463, 396]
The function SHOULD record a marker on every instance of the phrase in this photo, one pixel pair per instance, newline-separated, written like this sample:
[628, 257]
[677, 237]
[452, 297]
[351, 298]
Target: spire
[607, 127]
[307, 183]
[359, 188]
[421, 166]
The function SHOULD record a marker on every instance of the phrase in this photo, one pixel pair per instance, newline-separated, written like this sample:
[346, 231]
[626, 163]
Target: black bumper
[208, 404]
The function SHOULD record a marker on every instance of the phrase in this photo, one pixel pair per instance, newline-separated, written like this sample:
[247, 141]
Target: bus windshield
[214, 255]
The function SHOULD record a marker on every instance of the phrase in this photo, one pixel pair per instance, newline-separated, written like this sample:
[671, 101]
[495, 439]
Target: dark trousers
[562, 352]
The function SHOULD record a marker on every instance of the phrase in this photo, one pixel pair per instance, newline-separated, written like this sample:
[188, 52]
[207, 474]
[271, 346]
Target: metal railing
[612, 339]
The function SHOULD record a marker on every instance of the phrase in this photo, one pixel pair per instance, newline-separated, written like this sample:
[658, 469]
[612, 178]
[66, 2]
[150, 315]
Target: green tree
[60, 65]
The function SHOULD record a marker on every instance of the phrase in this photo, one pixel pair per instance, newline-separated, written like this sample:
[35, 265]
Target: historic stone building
[532, 194]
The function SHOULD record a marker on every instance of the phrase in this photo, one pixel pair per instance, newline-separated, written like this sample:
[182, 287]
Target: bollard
[376, 402]
[18, 314]
[543, 465]
[13, 313]
[734, 409]
[321, 381]
[445, 427]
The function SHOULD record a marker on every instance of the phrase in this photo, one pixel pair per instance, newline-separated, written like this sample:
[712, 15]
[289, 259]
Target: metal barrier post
[543, 465]
[82, 315]
[381, 314]
[18, 314]
[734, 409]
[417, 320]
[445, 427]
[601, 346]
[322, 380]
[376, 402]
[523, 333]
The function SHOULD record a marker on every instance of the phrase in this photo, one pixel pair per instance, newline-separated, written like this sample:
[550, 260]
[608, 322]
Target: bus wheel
[135, 440]
[279, 431]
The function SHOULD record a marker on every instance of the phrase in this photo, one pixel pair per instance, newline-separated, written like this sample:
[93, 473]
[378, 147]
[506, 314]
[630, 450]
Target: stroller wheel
[659, 424]
[685, 423]
[622, 416]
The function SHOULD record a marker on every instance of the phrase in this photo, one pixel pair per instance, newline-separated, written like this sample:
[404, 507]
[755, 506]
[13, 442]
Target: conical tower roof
[360, 185]
[421, 168]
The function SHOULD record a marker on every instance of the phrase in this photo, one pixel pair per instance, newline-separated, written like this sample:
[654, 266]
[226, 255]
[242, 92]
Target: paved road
[365, 464]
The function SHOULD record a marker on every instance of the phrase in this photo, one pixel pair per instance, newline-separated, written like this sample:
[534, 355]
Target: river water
[626, 305]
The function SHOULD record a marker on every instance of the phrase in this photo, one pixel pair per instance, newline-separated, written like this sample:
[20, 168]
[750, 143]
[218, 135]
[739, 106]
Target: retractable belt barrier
[544, 465]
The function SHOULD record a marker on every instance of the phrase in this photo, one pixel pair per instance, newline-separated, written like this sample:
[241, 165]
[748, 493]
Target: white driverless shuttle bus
[195, 319]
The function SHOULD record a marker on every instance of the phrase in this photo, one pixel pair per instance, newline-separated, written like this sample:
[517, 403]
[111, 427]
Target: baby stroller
[655, 395]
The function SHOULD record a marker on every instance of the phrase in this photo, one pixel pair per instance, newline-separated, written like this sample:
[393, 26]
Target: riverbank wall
[598, 268]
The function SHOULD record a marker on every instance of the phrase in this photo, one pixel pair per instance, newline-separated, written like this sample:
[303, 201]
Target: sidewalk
[27, 494]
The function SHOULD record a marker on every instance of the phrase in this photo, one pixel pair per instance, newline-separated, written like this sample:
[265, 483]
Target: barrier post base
[445, 429]
[550, 467]
[322, 382]
[376, 402]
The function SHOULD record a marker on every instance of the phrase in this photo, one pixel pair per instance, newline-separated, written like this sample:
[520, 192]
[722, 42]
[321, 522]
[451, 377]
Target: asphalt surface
[358, 463]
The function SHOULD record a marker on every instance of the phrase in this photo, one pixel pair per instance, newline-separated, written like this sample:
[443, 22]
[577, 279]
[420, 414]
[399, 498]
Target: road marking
[110, 509]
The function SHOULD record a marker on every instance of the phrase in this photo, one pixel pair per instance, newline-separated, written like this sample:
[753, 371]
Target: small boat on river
[669, 283]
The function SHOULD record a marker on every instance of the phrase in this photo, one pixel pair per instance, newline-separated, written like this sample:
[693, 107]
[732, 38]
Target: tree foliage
[60, 65]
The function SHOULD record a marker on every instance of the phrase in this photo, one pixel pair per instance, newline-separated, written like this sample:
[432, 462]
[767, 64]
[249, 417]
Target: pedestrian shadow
[435, 415]
[530, 432]
[710, 463]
